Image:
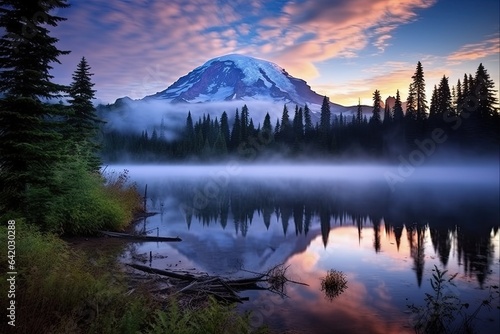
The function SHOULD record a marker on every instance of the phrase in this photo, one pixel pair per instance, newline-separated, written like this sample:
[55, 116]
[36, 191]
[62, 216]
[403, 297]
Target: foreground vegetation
[444, 311]
[61, 290]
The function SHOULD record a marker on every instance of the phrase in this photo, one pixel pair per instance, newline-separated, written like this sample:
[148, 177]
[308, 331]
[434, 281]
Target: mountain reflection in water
[386, 241]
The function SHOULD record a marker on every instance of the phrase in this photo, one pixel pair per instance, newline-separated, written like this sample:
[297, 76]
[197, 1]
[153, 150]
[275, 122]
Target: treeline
[464, 117]
[49, 153]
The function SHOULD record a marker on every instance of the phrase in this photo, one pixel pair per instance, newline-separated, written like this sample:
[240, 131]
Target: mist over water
[137, 116]
[395, 177]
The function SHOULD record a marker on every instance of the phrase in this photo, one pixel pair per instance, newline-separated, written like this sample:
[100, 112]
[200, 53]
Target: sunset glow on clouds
[344, 49]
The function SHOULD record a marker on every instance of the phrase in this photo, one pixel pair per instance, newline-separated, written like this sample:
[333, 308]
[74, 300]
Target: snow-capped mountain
[223, 83]
[238, 77]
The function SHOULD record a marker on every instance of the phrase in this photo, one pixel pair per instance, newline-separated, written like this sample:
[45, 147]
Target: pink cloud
[483, 49]
[340, 29]
[387, 78]
[125, 40]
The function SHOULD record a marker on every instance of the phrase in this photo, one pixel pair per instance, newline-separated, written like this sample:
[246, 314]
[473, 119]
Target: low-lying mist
[137, 116]
[473, 172]
[441, 193]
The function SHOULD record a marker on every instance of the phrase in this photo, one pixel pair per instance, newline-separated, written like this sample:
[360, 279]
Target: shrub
[79, 202]
[333, 284]
[444, 311]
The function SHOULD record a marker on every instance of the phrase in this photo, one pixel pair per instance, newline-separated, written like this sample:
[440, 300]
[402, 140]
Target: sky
[344, 49]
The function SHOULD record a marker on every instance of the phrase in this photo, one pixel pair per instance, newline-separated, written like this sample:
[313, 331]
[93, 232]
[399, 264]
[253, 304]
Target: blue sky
[344, 49]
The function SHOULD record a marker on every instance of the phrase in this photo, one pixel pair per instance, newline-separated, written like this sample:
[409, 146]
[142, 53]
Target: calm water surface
[386, 236]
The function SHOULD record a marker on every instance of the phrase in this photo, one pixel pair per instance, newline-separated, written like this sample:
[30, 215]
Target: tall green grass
[77, 202]
[59, 290]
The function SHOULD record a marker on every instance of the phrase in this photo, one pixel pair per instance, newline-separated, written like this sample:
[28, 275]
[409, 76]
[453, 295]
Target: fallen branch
[140, 237]
[223, 289]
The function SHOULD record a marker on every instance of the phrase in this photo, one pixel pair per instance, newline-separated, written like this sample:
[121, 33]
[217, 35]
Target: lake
[384, 227]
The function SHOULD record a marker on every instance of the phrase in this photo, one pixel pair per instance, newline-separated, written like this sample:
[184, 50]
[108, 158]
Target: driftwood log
[221, 288]
[139, 237]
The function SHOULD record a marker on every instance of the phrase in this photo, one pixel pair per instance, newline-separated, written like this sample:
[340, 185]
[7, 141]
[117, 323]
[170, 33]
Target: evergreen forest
[463, 118]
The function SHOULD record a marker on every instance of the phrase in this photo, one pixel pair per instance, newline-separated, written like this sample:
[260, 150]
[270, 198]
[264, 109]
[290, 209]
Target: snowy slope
[238, 77]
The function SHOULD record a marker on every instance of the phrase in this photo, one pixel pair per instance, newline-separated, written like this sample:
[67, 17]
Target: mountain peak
[238, 77]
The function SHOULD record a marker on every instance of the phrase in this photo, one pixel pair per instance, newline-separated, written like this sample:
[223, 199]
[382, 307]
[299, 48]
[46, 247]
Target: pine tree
[419, 87]
[411, 104]
[83, 119]
[325, 117]
[29, 145]
[460, 97]
[286, 126]
[308, 125]
[387, 114]
[324, 123]
[453, 101]
[224, 128]
[298, 124]
[486, 94]
[236, 131]
[398, 109]
[245, 122]
[359, 113]
[434, 107]
[267, 128]
[444, 97]
[277, 129]
[189, 135]
[377, 101]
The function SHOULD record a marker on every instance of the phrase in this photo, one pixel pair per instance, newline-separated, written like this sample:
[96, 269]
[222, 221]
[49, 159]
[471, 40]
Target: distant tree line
[464, 117]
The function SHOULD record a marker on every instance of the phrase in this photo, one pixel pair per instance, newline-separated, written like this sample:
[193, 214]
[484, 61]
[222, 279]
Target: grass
[444, 311]
[211, 318]
[61, 290]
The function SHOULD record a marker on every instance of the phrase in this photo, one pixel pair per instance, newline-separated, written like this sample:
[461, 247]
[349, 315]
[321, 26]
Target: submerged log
[140, 237]
[223, 288]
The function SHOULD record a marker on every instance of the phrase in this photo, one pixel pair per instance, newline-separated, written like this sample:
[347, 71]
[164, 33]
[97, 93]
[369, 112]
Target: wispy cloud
[342, 28]
[387, 77]
[139, 47]
[486, 48]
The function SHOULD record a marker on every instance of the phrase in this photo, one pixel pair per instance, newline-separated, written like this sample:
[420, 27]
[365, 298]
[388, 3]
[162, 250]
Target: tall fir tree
[189, 135]
[359, 113]
[245, 122]
[325, 116]
[298, 124]
[236, 131]
[28, 143]
[387, 114]
[325, 123]
[267, 128]
[83, 118]
[460, 97]
[444, 98]
[224, 128]
[486, 94]
[434, 107]
[286, 130]
[308, 125]
[418, 85]
[377, 101]
[398, 109]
